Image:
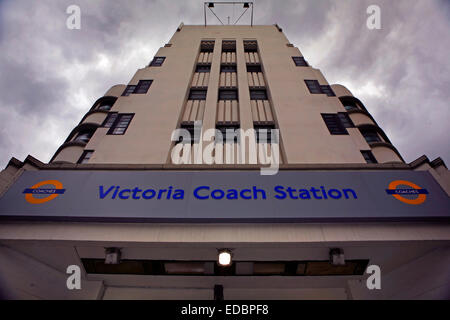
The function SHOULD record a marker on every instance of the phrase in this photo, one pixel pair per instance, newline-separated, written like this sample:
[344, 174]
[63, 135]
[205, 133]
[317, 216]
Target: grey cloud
[33, 92]
[304, 19]
[408, 58]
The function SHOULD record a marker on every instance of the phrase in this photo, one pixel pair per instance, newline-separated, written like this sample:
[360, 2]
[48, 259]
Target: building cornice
[30, 160]
[424, 160]
[283, 167]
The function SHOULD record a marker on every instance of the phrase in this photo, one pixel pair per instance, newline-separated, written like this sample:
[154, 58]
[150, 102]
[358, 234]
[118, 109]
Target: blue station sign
[225, 196]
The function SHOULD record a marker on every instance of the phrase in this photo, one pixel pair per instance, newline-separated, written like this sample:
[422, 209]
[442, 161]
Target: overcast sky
[50, 76]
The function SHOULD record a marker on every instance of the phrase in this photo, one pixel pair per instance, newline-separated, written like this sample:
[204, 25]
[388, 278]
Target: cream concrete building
[226, 77]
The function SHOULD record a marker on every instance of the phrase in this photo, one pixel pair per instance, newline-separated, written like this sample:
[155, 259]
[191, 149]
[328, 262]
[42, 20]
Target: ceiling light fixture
[224, 258]
[337, 257]
[112, 255]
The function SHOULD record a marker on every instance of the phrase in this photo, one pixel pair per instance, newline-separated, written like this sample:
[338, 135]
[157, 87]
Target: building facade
[153, 132]
[235, 77]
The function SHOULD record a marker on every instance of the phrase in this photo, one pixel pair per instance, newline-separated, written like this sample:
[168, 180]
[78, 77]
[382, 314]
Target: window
[350, 103]
[369, 157]
[106, 104]
[121, 124]
[350, 107]
[129, 90]
[157, 61]
[231, 68]
[193, 138]
[207, 46]
[371, 136]
[110, 119]
[254, 68]
[196, 94]
[105, 107]
[300, 61]
[313, 86]
[334, 124]
[84, 136]
[87, 154]
[203, 68]
[258, 94]
[228, 94]
[327, 90]
[345, 120]
[229, 133]
[250, 46]
[143, 86]
[228, 46]
[264, 133]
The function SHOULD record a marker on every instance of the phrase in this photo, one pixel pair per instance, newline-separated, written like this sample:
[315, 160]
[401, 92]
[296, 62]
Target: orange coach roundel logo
[44, 191]
[412, 194]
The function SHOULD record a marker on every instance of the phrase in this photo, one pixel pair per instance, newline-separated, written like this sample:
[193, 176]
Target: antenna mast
[211, 5]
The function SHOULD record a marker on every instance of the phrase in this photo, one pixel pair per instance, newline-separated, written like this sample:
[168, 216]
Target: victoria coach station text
[207, 193]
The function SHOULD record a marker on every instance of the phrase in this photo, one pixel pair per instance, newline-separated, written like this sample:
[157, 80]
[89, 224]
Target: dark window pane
[250, 46]
[118, 131]
[327, 90]
[129, 90]
[229, 133]
[371, 136]
[207, 46]
[121, 124]
[197, 95]
[157, 61]
[264, 134]
[369, 157]
[84, 136]
[110, 119]
[345, 120]
[258, 95]
[350, 104]
[85, 156]
[231, 68]
[333, 123]
[228, 95]
[300, 61]
[350, 107]
[105, 106]
[189, 128]
[193, 137]
[229, 46]
[254, 68]
[143, 86]
[313, 86]
[203, 68]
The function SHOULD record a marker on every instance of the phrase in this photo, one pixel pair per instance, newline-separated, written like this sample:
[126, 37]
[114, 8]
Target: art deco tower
[228, 77]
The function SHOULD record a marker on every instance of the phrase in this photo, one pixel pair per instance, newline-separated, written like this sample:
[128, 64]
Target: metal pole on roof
[251, 24]
[210, 5]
